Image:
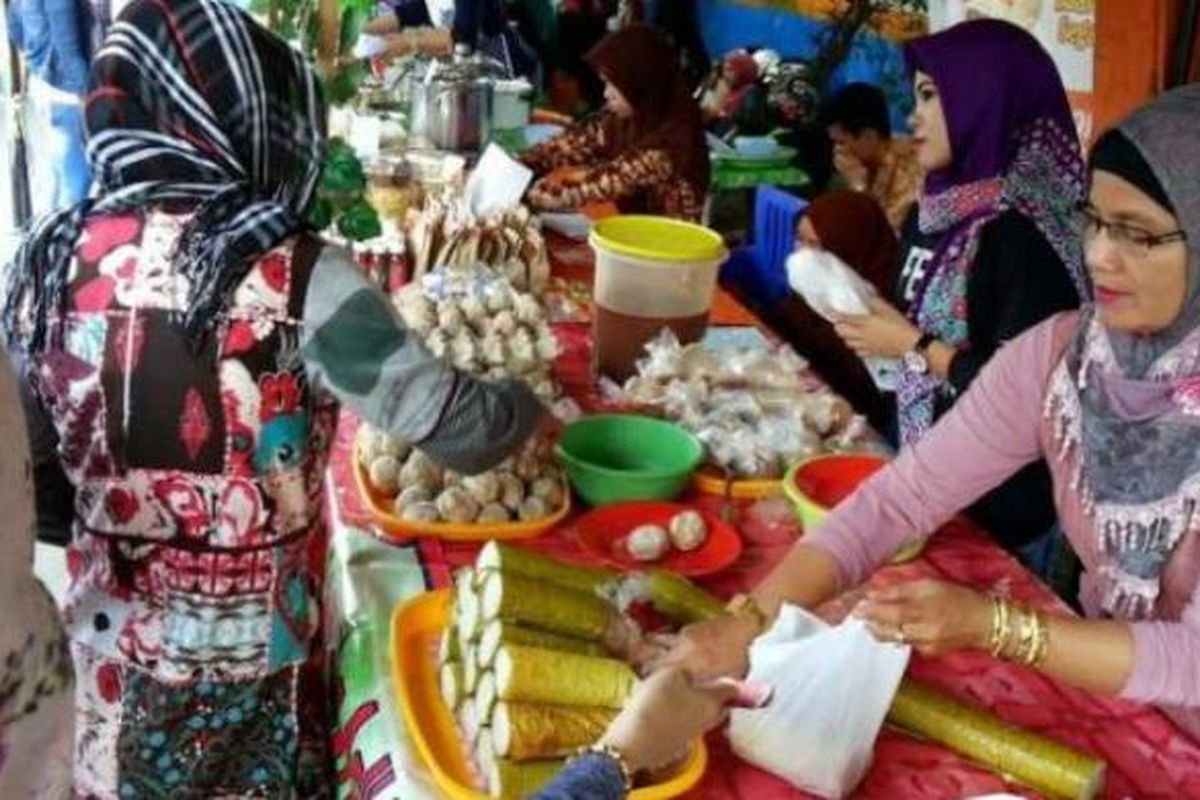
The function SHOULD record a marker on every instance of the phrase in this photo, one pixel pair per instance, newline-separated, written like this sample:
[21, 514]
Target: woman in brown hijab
[853, 227]
[645, 152]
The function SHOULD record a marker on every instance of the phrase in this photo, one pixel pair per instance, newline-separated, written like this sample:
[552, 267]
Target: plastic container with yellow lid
[651, 273]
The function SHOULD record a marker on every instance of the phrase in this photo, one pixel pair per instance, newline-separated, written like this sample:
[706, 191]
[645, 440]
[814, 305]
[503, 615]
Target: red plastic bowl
[830, 479]
[601, 533]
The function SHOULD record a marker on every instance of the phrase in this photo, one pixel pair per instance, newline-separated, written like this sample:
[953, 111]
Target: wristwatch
[743, 605]
[917, 360]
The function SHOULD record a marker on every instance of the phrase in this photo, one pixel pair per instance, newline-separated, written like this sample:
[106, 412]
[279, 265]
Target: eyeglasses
[1129, 241]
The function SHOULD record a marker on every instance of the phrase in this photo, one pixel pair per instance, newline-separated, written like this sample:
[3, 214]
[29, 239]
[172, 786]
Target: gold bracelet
[1029, 642]
[611, 753]
[1042, 643]
[1001, 630]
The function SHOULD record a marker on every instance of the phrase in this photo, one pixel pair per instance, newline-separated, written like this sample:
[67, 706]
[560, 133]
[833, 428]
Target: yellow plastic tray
[709, 481]
[391, 524]
[416, 630]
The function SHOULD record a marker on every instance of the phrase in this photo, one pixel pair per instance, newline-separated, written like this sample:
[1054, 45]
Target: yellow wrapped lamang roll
[680, 600]
[518, 561]
[498, 633]
[511, 780]
[530, 675]
[1035, 761]
[536, 604]
[525, 731]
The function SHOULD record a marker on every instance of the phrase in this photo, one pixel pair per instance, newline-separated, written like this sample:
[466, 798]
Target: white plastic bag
[830, 287]
[832, 689]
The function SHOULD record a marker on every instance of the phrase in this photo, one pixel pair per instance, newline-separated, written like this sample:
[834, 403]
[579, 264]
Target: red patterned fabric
[1148, 757]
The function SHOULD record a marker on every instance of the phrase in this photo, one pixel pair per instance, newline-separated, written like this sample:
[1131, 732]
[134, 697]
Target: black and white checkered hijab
[192, 103]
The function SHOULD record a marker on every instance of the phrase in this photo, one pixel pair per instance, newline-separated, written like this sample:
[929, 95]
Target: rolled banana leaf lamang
[536, 604]
[525, 731]
[530, 675]
[498, 633]
[680, 600]
[518, 561]
[1047, 766]
[511, 780]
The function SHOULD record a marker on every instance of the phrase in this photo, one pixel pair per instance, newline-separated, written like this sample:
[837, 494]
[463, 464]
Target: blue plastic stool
[757, 272]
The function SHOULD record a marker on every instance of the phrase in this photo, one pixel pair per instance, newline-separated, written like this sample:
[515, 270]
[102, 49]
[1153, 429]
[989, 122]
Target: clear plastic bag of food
[832, 690]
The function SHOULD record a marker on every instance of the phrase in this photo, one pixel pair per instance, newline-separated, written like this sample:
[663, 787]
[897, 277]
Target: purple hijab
[994, 80]
[1014, 147]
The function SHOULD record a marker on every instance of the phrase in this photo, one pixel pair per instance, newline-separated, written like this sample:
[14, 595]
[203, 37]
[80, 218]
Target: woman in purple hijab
[1109, 396]
[990, 249]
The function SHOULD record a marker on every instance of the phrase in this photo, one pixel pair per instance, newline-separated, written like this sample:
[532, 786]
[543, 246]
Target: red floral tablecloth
[1147, 756]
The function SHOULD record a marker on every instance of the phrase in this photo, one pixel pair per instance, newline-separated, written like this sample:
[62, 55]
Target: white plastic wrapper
[830, 287]
[832, 690]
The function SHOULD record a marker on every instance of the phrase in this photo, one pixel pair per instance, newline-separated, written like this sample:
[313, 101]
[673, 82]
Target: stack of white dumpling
[527, 487]
[485, 327]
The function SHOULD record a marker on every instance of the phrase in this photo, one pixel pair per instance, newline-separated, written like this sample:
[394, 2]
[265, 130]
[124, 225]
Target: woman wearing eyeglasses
[1110, 397]
[992, 248]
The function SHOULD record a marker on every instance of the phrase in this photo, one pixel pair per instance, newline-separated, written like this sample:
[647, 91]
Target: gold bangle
[1042, 645]
[1029, 637]
[1001, 626]
[611, 753]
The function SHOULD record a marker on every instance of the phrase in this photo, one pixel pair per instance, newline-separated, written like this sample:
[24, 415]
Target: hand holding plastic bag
[832, 690]
[831, 288]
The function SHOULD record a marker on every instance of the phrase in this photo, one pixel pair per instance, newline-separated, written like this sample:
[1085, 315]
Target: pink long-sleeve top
[994, 429]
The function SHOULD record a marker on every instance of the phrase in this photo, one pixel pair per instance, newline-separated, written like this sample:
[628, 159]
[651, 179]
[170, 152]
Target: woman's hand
[935, 617]
[665, 714]
[715, 648]
[883, 333]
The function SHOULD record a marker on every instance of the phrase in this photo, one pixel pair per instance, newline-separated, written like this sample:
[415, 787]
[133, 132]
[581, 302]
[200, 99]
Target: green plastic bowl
[614, 458]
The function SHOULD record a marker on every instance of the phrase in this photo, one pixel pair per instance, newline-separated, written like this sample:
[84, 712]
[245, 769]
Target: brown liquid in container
[620, 339]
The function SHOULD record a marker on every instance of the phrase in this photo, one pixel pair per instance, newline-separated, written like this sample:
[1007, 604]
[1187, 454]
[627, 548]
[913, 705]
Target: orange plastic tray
[401, 528]
[710, 481]
[416, 629]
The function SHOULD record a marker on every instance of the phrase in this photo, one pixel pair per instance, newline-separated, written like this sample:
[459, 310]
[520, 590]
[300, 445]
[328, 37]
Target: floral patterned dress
[196, 558]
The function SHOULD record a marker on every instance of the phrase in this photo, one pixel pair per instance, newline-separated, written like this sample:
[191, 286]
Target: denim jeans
[59, 172]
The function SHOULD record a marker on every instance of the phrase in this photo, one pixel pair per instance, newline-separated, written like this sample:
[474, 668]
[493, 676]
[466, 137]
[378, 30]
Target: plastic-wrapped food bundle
[753, 408]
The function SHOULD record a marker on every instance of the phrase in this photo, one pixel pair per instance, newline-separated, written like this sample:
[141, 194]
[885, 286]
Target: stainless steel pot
[452, 107]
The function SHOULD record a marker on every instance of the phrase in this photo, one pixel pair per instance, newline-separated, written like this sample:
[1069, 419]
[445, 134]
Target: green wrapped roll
[680, 600]
[530, 675]
[548, 607]
[526, 731]
[517, 561]
[498, 632]
[511, 780]
[1047, 766]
